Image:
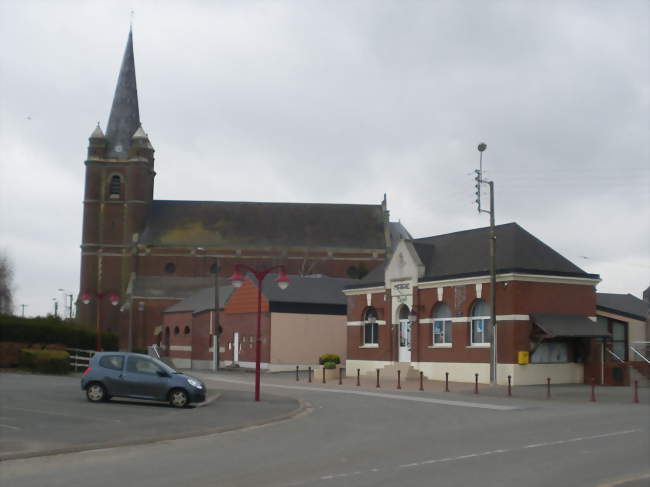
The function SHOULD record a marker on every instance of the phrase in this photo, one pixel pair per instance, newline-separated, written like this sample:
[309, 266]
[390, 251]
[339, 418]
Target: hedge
[51, 330]
[47, 361]
[329, 357]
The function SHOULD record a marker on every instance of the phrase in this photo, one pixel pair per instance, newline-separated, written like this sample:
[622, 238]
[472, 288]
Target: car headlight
[195, 383]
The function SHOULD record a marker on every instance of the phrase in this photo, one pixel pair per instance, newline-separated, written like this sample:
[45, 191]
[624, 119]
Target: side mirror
[162, 373]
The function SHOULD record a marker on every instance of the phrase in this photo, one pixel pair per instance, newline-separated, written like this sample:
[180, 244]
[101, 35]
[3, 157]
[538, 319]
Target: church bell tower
[118, 190]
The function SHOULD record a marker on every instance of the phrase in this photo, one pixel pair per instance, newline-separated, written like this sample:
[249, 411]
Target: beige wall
[299, 339]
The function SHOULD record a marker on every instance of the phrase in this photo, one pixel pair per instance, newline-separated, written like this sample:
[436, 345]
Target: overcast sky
[338, 102]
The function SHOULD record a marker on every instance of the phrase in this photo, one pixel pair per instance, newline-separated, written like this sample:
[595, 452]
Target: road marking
[444, 402]
[485, 453]
[10, 427]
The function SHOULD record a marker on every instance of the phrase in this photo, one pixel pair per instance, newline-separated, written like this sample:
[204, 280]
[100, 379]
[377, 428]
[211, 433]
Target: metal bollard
[475, 383]
[421, 380]
[593, 390]
[548, 388]
[309, 371]
[377, 377]
[509, 386]
[297, 373]
[340, 376]
[399, 374]
[358, 379]
[446, 381]
[636, 391]
[323, 374]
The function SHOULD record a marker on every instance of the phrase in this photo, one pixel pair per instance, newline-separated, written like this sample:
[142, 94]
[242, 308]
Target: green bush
[329, 365]
[51, 330]
[329, 357]
[45, 361]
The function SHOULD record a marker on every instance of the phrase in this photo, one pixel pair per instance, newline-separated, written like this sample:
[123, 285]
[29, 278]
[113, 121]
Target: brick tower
[118, 190]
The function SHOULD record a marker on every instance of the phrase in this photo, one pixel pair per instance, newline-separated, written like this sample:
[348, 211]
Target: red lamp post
[237, 280]
[86, 298]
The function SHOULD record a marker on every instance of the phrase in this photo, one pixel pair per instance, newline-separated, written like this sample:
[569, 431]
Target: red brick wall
[246, 325]
[516, 298]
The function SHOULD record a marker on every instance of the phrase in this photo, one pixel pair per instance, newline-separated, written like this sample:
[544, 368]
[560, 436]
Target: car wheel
[96, 392]
[178, 398]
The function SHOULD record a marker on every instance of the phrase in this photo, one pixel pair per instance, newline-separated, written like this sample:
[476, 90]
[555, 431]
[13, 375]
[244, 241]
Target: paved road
[370, 439]
[44, 414]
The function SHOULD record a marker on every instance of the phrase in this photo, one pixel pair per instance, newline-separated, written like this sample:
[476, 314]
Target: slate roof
[251, 225]
[575, 326]
[172, 287]
[124, 119]
[623, 304]
[307, 289]
[467, 253]
[203, 300]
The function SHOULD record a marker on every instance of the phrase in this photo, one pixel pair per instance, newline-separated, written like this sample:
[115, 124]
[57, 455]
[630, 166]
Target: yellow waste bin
[522, 357]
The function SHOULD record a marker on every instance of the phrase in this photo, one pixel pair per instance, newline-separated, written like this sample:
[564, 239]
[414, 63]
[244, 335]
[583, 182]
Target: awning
[574, 326]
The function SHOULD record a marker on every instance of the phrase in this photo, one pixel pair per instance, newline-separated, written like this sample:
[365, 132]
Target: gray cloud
[339, 102]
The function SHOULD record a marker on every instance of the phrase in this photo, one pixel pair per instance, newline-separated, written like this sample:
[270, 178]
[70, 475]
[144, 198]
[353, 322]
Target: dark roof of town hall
[251, 225]
[467, 253]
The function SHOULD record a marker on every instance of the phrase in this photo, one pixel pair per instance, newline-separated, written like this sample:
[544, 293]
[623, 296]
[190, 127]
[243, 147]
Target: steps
[640, 371]
[408, 372]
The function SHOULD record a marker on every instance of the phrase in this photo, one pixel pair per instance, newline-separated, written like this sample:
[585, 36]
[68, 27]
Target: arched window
[442, 324]
[115, 187]
[170, 267]
[481, 331]
[187, 330]
[370, 327]
[176, 330]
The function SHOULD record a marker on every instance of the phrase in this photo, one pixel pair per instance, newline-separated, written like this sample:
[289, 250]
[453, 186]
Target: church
[141, 255]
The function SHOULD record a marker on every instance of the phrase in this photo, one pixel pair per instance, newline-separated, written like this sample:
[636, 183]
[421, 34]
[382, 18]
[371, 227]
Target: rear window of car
[115, 362]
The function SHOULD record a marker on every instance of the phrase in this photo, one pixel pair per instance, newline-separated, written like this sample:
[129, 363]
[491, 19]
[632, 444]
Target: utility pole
[493, 252]
[23, 306]
[217, 327]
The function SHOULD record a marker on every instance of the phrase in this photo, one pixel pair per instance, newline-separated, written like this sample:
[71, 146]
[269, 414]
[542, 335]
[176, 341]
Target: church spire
[124, 119]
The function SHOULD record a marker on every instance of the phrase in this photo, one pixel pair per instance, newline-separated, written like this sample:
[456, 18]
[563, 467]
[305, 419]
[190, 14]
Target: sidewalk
[569, 393]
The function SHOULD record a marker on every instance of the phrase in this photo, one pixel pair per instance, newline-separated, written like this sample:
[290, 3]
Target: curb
[301, 408]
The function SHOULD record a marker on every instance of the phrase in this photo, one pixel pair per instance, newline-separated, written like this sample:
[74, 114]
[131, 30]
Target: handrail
[614, 355]
[153, 351]
[639, 353]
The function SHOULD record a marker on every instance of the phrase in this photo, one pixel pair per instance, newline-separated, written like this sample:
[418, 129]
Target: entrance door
[404, 341]
[235, 347]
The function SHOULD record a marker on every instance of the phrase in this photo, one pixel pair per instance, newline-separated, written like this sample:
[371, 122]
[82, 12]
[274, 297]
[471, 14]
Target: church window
[176, 330]
[115, 187]
[170, 267]
[187, 330]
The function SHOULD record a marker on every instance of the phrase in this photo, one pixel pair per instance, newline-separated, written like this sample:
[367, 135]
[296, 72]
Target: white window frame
[484, 321]
[443, 324]
[370, 323]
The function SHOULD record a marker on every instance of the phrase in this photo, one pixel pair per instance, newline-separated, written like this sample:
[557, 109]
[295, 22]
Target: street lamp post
[86, 298]
[237, 280]
[493, 252]
[67, 303]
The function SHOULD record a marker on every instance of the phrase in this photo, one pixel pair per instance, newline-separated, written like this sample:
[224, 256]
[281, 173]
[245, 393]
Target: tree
[6, 286]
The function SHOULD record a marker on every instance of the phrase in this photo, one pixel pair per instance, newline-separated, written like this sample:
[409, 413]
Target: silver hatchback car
[138, 376]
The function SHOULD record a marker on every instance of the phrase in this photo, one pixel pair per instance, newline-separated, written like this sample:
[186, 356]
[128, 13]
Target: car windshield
[164, 366]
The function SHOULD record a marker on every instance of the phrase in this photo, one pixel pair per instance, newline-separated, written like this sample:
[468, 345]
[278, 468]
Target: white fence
[79, 358]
